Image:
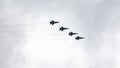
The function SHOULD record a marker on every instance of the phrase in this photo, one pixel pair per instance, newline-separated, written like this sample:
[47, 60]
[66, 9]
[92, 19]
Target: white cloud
[28, 41]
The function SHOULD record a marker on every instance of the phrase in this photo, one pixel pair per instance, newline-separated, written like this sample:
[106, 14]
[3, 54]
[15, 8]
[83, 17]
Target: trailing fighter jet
[63, 28]
[71, 33]
[52, 22]
[77, 38]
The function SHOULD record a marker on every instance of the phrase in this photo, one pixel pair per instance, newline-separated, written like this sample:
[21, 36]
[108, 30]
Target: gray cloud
[26, 36]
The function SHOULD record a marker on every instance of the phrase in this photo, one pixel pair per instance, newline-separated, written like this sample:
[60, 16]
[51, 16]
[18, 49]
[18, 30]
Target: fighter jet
[52, 22]
[63, 28]
[77, 38]
[71, 33]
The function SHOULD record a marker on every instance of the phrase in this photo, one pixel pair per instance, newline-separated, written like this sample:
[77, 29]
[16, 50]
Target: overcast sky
[27, 40]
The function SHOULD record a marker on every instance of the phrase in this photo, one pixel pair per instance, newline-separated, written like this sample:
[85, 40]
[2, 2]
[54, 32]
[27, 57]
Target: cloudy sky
[28, 41]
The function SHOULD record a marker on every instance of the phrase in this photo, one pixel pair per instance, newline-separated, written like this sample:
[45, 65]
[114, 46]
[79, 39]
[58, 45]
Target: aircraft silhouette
[63, 28]
[77, 38]
[52, 22]
[71, 33]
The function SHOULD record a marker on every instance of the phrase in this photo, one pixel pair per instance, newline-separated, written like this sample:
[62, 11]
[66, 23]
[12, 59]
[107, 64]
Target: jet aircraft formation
[52, 22]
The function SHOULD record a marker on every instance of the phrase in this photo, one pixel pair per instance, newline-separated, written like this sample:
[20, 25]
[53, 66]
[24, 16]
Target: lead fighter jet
[63, 28]
[77, 38]
[52, 22]
[71, 33]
